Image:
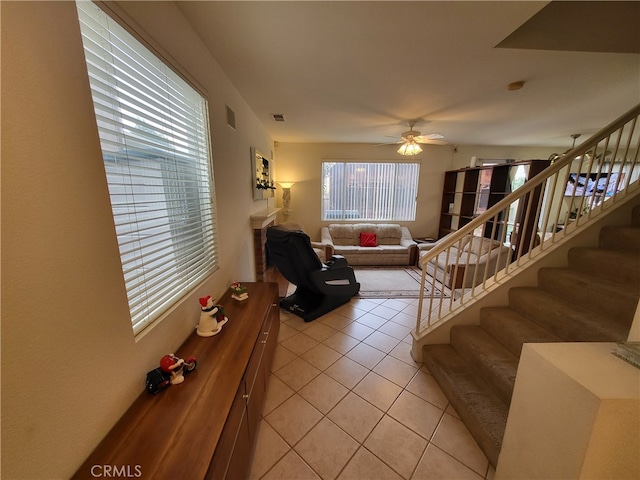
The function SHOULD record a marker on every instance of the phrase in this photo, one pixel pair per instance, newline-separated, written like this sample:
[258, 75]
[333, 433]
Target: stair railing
[578, 187]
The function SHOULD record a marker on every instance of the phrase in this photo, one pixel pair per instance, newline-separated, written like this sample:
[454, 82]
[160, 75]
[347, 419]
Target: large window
[369, 191]
[153, 129]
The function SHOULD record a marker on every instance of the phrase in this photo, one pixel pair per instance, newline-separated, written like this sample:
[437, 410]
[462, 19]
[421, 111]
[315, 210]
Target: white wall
[574, 414]
[70, 363]
[302, 163]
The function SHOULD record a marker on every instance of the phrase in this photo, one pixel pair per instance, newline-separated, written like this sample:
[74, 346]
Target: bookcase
[468, 192]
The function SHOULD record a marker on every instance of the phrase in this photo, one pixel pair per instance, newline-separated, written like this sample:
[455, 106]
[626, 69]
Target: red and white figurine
[212, 318]
[175, 367]
[170, 372]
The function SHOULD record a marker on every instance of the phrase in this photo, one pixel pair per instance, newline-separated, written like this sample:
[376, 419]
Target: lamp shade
[409, 148]
[286, 184]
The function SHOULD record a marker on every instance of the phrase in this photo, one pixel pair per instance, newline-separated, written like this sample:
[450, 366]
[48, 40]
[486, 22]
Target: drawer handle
[245, 396]
[265, 333]
[263, 341]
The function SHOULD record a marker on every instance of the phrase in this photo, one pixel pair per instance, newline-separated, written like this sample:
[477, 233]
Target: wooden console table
[206, 426]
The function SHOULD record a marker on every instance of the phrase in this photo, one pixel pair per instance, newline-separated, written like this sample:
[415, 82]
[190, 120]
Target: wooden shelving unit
[468, 192]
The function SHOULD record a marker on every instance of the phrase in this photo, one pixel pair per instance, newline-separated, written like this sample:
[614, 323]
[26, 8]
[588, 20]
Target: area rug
[392, 282]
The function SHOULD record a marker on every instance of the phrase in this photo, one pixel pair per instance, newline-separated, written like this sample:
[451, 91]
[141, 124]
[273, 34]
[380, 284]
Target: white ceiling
[358, 71]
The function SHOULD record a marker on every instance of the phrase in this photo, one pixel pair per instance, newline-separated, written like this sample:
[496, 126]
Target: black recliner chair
[320, 287]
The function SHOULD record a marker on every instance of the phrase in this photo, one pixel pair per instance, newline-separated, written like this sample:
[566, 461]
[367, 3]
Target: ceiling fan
[411, 139]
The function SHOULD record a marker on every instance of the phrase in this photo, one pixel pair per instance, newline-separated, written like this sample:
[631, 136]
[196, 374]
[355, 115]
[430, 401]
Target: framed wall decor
[263, 184]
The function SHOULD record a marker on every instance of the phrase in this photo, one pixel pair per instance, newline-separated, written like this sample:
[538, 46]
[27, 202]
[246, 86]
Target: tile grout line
[351, 390]
[360, 444]
[371, 305]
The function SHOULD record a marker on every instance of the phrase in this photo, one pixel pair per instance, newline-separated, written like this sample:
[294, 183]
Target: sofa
[473, 255]
[371, 243]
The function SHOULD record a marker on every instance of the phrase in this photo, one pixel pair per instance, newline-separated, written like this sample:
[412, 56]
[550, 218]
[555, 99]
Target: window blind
[153, 129]
[369, 191]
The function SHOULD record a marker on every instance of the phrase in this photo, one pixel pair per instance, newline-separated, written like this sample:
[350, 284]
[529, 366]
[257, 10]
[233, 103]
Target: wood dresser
[206, 426]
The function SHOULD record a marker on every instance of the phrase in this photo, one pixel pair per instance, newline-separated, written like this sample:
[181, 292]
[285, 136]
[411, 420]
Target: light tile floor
[347, 401]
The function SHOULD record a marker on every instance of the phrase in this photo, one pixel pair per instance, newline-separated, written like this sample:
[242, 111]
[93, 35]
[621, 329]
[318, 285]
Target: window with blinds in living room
[369, 191]
[154, 135]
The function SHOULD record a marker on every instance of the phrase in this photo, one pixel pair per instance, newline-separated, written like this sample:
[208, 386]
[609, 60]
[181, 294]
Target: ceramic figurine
[212, 318]
[175, 367]
[238, 292]
[171, 372]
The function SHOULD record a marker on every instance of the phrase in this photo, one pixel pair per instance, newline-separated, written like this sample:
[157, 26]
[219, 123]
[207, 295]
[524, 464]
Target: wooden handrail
[533, 189]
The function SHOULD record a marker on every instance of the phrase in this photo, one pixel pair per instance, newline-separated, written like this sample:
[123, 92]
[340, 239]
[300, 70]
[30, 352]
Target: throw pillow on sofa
[368, 240]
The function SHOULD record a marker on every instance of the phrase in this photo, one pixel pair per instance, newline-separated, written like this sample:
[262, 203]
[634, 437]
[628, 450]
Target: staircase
[593, 300]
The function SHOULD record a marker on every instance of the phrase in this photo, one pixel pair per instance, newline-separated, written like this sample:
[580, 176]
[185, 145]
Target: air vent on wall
[278, 117]
[231, 118]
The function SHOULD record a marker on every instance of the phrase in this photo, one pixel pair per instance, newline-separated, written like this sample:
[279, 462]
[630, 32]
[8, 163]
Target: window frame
[375, 200]
[155, 140]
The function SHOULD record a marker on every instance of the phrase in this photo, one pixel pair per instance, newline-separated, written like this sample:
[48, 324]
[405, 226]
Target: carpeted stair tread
[625, 238]
[512, 329]
[483, 413]
[491, 360]
[610, 299]
[568, 321]
[613, 265]
[593, 300]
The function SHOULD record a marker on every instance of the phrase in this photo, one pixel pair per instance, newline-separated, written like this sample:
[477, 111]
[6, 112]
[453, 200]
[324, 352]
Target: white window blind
[369, 191]
[153, 129]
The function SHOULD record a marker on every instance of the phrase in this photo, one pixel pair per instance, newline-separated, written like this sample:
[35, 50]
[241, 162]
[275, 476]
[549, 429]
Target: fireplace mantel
[263, 218]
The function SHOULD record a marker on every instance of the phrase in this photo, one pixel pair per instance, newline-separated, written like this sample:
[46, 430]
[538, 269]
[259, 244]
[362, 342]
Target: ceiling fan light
[409, 149]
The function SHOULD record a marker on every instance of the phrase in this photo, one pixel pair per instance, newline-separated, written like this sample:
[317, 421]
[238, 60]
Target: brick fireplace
[259, 223]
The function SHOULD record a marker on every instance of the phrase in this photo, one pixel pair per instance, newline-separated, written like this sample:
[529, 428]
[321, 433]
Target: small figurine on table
[212, 318]
[176, 367]
[238, 292]
[171, 372]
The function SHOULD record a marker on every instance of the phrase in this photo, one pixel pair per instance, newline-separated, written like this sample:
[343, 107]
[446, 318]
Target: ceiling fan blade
[415, 136]
[431, 136]
[391, 143]
[432, 142]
